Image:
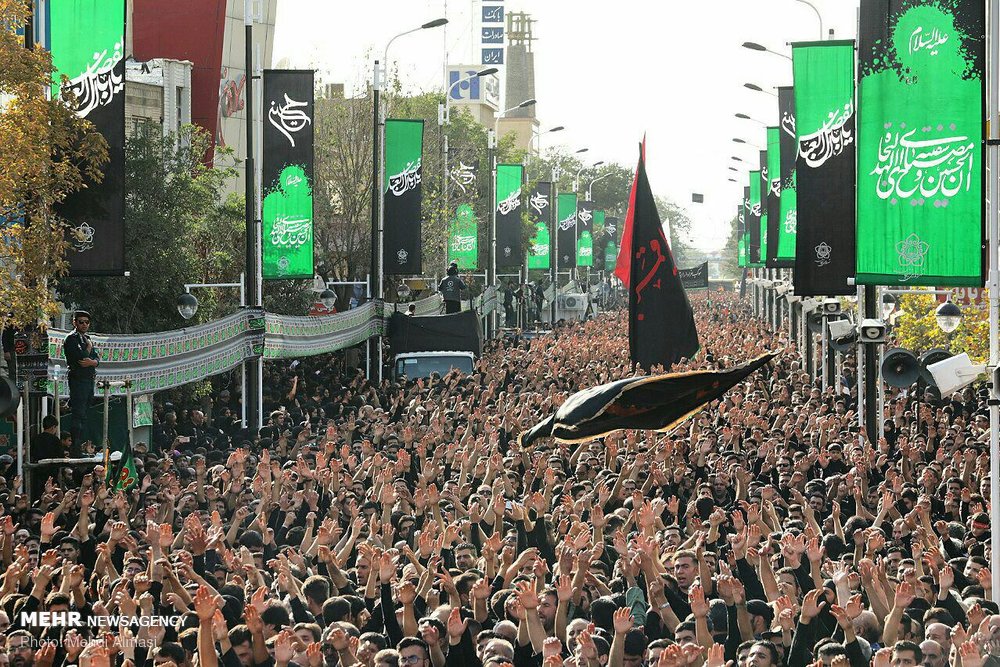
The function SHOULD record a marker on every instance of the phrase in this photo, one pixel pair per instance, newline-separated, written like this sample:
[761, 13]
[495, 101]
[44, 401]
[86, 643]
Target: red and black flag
[656, 403]
[661, 322]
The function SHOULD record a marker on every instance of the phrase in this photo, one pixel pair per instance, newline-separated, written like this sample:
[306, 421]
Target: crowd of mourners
[401, 524]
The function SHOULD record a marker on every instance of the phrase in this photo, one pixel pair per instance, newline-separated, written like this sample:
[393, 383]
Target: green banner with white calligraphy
[463, 238]
[287, 175]
[540, 212]
[788, 145]
[585, 233]
[402, 196]
[753, 221]
[921, 136]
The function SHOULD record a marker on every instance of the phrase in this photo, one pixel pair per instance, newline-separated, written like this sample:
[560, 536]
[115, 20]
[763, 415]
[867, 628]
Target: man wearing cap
[82, 359]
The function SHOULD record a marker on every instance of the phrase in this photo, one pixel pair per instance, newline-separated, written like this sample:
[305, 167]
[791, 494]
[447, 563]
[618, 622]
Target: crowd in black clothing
[402, 524]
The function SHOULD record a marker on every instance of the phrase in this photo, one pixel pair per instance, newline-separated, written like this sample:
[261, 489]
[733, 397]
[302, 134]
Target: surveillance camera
[840, 328]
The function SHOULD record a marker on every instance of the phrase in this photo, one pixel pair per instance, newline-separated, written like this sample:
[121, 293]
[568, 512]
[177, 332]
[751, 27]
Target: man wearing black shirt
[82, 359]
[451, 289]
[45, 445]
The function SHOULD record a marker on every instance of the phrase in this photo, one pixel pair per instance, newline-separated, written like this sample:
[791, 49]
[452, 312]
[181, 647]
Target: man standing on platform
[82, 359]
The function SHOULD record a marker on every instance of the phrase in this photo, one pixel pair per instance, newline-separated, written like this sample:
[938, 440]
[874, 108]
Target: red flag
[623, 265]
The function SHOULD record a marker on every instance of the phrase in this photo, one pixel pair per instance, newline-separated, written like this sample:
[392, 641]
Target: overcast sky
[608, 71]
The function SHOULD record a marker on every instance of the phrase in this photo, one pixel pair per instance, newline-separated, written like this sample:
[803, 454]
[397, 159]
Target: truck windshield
[422, 367]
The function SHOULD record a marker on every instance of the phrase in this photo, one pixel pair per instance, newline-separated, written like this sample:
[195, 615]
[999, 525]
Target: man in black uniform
[45, 445]
[82, 359]
[451, 289]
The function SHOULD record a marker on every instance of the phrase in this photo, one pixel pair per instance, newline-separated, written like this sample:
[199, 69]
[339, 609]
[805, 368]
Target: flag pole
[993, 213]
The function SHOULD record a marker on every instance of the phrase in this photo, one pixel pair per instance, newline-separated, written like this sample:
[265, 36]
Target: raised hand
[623, 620]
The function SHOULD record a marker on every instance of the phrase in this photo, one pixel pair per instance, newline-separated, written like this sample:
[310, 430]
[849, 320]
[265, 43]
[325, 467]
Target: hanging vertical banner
[773, 195]
[287, 175]
[402, 196]
[585, 233]
[87, 41]
[825, 169]
[508, 189]
[921, 133]
[745, 207]
[540, 212]
[600, 236]
[566, 241]
[463, 238]
[765, 185]
[741, 242]
[787, 145]
[753, 220]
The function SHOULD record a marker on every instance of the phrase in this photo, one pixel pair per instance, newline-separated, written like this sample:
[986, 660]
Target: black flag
[656, 403]
[661, 323]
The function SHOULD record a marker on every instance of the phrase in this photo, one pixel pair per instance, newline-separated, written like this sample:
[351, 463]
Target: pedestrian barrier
[162, 360]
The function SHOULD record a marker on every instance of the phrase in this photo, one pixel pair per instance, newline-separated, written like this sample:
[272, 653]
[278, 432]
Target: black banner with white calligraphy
[825, 167]
[696, 277]
[788, 145]
[402, 194]
[87, 42]
[508, 195]
[287, 175]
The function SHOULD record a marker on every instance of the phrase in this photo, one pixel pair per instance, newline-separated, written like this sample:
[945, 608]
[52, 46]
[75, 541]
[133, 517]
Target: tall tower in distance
[520, 77]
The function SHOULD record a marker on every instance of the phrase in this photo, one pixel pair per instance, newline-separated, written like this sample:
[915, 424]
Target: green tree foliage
[917, 329]
[178, 229]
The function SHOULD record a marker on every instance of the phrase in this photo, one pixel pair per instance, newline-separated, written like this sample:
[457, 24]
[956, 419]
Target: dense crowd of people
[401, 524]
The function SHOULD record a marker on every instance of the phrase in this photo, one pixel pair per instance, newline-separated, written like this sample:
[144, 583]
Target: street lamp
[753, 46]
[491, 273]
[576, 179]
[736, 159]
[757, 89]
[187, 305]
[328, 298]
[732, 180]
[818, 15]
[591, 186]
[948, 316]
[445, 119]
[743, 116]
[734, 169]
[747, 143]
[537, 136]
[378, 221]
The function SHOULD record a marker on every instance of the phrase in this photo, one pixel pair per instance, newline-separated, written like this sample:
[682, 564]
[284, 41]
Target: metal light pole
[818, 16]
[491, 274]
[753, 46]
[446, 120]
[554, 239]
[757, 89]
[253, 368]
[536, 137]
[590, 187]
[993, 213]
[378, 220]
[743, 116]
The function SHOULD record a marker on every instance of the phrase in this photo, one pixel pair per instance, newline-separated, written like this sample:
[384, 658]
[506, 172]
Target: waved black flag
[661, 323]
[656, 403]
